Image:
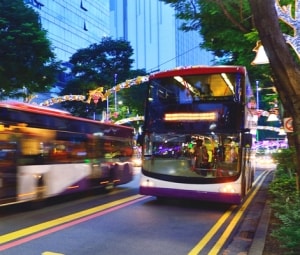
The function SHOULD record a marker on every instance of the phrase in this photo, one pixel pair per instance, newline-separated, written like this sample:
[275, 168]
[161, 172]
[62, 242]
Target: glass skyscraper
[74, 24]
[153, 31]
[149, 25]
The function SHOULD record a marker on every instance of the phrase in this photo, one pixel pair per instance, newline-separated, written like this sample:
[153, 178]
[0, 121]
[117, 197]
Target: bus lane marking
[46, 228]
[219, 244]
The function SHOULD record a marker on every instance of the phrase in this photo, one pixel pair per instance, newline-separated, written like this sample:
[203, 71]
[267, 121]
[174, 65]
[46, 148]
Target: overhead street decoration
[285, 15]
[59, 99]
[97, 94]
[261, 56]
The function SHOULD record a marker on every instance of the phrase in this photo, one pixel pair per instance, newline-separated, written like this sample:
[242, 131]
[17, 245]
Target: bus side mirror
[247, 140]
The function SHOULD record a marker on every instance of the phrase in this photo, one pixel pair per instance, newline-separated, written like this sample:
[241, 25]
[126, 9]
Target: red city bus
[46, 152]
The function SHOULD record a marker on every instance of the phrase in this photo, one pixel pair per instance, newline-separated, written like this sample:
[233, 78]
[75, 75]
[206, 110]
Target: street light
[257, 95]
[116, 106]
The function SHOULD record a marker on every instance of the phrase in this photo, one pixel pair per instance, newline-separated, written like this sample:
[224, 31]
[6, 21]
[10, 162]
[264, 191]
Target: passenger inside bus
[201, 155]
[204, 88]
[231, 151]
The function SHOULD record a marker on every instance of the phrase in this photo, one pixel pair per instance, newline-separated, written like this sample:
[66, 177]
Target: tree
[103, 64]
[133, 98]
[285, 67]
[27, 63]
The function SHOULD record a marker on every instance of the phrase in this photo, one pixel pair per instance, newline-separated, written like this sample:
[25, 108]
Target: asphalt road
[123, 222]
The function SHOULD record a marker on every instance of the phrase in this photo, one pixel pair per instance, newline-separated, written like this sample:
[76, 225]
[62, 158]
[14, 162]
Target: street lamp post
[107, 108]
[116, 75]
[257, 95]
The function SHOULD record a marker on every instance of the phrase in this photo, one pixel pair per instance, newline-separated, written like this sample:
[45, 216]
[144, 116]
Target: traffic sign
[288, 124]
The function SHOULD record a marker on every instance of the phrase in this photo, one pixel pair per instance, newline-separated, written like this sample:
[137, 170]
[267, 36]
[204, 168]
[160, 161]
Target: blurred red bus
[46, 152]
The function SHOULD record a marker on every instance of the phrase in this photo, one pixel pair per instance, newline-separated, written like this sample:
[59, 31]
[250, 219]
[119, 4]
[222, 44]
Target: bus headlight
[227, 189]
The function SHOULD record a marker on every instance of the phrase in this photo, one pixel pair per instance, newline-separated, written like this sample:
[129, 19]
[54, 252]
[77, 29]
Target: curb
[258, 244]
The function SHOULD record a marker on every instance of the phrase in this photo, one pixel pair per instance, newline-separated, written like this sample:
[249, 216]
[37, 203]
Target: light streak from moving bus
[46, 152]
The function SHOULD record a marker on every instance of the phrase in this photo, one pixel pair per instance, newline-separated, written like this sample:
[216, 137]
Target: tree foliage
[285, 201]
[26, 57]
[104, 64]
[223, 25]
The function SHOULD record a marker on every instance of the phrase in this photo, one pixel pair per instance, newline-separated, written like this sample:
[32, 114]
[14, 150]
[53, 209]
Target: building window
[82, 7]
[85, 27]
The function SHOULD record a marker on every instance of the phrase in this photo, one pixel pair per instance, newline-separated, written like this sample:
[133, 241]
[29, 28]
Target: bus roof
[33, 108]
[26, 107]
[193, 70]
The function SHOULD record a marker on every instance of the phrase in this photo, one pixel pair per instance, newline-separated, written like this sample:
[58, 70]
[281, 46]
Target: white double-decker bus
[196, 140]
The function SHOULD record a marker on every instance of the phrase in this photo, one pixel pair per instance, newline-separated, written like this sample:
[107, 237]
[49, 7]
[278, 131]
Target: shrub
[285, 201]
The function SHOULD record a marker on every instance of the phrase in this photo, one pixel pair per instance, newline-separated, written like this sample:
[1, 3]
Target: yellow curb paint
[53, 223]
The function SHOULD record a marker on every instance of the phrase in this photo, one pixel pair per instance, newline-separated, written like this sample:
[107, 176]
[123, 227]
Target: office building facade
[149, 25]
[153, 31]
[74, 24]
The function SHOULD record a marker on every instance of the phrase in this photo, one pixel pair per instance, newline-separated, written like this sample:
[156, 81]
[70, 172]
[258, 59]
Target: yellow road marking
[52, 223]
[219, 244]
[212, 232]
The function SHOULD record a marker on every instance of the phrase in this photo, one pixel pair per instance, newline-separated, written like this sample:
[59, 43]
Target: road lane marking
[233, 223]
[42, 229]
[212, 232]
[219, 244]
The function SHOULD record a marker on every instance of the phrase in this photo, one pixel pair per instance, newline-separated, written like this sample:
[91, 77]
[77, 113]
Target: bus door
[8, 171]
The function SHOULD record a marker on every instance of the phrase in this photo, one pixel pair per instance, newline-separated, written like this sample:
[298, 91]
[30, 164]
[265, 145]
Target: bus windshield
[192, 156]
